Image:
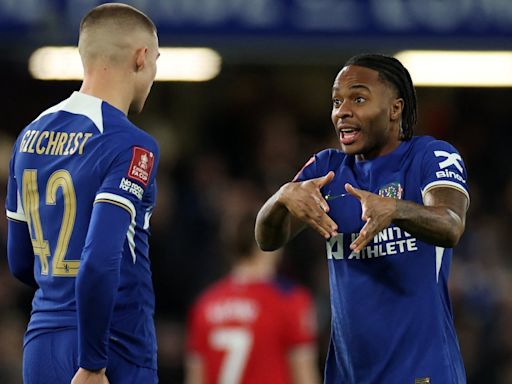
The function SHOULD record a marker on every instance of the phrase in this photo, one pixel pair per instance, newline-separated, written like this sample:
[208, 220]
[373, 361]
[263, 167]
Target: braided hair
[393, 72]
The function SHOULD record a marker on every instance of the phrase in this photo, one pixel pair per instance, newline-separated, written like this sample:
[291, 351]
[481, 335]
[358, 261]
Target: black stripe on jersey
[115, 203]
[16, 220]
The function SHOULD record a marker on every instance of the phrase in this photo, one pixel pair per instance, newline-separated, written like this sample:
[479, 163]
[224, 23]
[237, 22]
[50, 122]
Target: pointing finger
[354, 191]
[363, 239]
[325, 179]
[325, 226]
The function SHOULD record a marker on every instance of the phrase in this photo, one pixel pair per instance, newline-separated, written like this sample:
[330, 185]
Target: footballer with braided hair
[390, 206]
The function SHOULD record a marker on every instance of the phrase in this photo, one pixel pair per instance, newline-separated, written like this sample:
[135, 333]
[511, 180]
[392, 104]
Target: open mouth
[348, 135]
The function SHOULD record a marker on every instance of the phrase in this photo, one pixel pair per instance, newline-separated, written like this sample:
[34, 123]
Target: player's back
[59, 163]
[244, 331]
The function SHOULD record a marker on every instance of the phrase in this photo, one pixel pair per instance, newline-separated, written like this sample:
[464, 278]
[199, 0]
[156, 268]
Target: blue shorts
[51, 358]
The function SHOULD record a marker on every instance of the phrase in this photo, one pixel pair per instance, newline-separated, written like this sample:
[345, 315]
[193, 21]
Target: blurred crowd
[232, 141]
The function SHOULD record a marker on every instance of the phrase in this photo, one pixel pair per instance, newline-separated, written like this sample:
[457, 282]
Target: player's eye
[359, 100]
[336, 103]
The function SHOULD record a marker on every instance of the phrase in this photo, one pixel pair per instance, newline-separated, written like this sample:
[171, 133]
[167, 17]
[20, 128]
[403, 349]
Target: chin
[349, 149]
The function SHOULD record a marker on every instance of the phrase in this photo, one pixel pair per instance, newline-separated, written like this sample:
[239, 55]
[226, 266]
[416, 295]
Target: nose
[343, 111]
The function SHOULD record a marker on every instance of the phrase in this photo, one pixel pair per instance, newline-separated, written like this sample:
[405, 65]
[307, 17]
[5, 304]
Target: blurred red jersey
[243, 332]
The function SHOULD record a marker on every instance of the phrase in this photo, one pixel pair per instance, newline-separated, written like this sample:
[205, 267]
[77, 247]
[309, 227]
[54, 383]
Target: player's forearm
[194, 372]
[98, 281]
[273, 224]
[303, 366]
[438, 225]
[95, 294]
[20, 254]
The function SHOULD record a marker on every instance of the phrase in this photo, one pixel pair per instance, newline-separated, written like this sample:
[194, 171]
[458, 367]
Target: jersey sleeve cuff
[16, 216]
[444, 184]
[120, 201]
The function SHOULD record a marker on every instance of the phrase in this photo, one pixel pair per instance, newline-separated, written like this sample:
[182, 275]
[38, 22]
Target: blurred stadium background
[237, 137]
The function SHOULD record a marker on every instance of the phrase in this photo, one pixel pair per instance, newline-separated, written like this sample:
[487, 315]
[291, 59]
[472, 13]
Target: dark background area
[243, 134]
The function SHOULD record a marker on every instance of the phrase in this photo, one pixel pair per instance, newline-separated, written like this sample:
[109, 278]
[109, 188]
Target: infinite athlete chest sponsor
[54, 143]
[390, 241]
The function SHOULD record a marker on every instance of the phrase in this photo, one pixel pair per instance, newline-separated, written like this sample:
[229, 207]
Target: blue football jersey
[391, 315]
[76, 155]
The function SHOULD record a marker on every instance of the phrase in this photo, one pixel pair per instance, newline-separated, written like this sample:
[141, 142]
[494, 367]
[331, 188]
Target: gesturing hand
[378, 212]
[305, 201]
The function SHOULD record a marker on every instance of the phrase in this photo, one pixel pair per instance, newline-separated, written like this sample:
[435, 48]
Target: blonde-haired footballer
[80, 194]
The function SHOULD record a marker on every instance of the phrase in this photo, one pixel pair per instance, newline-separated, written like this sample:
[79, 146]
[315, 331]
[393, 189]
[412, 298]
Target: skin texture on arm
[194, 370]
[441, 221]
[83, 376]
[290, 209]
[303, 366]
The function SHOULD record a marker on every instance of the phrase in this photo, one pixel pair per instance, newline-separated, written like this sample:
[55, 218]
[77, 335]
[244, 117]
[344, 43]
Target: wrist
[282, 195]
[93, 372]
[399, 211]
[93, 367]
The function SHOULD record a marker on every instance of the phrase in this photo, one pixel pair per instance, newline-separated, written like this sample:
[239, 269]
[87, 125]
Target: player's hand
[378, 212]
[305, 201]
[84, 376]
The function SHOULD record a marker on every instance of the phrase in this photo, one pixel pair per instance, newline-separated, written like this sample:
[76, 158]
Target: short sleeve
[301, 325]
[130, 177]
[196, 332]
[317, 166]
[443, 167]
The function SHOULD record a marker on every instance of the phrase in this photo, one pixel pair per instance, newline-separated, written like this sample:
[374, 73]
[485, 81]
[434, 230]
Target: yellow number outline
[31, 207]
[60, 179]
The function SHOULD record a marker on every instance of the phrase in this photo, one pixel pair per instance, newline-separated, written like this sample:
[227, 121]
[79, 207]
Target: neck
[381, 152]
[110, 85]
[260, 266]
[392, 143]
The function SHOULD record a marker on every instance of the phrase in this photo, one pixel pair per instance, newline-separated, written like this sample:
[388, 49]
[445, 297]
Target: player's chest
[345, 209]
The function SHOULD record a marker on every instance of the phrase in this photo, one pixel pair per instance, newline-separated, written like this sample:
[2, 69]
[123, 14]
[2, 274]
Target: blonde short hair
[121, 15]
[110, 30]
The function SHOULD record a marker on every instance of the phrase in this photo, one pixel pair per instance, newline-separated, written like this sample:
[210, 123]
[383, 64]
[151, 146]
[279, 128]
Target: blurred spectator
[213, 134]
[251, 326]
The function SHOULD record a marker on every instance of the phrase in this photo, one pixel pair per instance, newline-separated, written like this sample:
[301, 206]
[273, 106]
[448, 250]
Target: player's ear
[396, 109]
[140, 58]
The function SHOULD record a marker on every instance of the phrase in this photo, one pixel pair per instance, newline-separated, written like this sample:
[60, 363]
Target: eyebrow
[354, 86]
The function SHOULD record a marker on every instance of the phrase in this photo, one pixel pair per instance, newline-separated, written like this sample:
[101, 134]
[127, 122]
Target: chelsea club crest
[393, 190]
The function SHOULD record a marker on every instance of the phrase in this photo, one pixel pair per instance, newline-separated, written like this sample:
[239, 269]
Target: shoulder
[330, 156]
[320, 164]
[438, 154]
[294, 300]
[442, 165]
[289, 288]
[327, 158]
[429, 144]
[143, 139]
[128, 134]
